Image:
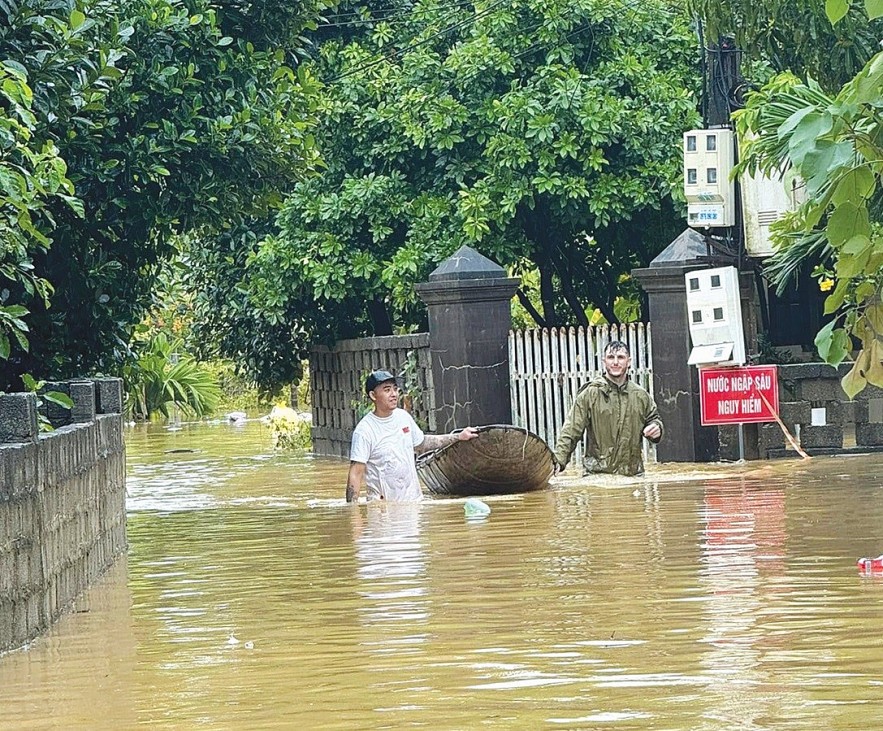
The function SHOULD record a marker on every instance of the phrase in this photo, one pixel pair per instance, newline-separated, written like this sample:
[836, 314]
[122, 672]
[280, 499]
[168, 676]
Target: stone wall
[337, 378]
[818, 413]
[62, 503]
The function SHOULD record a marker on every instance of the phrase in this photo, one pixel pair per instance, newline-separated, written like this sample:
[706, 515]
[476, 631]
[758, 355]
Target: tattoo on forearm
[352, 494]
[436, 441]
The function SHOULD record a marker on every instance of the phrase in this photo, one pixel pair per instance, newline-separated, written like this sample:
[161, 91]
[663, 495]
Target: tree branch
[531, 310]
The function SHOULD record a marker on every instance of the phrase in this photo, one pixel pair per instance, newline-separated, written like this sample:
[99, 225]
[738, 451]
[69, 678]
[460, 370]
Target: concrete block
[869, 392]
[805, 371]
[20, 468]
[5, 481]
[847, 412]
[821, 436]
[789, 390]
[770, 436]
[869, 435]
[7, 570]
[7, 637]
[18, 417]
[20, 629]
[109, 392]
[795, 412]
[83, 395]
[57, 415]
[821, 389]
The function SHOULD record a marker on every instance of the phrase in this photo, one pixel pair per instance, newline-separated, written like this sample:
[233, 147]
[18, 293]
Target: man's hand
[470, 432]
[652, 431]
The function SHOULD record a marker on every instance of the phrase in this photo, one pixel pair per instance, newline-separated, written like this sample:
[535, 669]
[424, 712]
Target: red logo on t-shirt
[406, 429]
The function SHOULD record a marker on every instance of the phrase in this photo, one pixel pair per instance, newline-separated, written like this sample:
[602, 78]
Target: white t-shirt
[386, 447]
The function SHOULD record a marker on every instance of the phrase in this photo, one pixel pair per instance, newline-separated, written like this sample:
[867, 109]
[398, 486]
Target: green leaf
[836, 10]
[5, 348]
[865, 89]
[807, 135]
[835, 299]
[76, 19]
[855, 186]
[75, 204]
[789, 124]
[874, 8]
[826, 158]
[856, 245]
[59, 399]
[832, 343]
[31, 384]
[846, 221]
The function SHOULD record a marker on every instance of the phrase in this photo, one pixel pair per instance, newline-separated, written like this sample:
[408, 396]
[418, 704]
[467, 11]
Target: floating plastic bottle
[867, 565]
[475, 508]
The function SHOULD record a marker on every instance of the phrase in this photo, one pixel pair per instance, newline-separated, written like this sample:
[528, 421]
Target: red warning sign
[740, 395]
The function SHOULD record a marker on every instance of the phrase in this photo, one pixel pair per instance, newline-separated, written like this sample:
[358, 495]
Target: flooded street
[253, 597]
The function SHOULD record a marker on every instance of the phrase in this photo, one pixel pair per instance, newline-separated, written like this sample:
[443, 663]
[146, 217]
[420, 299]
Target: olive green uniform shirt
[613, 418]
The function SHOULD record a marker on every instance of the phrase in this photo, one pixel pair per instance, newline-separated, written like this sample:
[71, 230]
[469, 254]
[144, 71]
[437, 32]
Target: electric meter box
[714, 314]
[708, 162]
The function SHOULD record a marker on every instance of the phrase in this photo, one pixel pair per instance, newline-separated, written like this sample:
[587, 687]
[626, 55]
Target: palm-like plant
[162, 377]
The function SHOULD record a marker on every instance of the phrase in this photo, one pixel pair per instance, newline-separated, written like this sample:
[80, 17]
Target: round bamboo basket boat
[503, 459]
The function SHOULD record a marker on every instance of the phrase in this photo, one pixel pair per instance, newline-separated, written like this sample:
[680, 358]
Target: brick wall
[62, 504]
[336, 377]
[816, 410]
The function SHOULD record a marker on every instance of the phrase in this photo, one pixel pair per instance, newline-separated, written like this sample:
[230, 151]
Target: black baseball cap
[376, 378]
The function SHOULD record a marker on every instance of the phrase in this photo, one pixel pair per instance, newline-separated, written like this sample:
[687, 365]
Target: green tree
[31, 174]
[833, 142]
[543, 133]
[168, 125]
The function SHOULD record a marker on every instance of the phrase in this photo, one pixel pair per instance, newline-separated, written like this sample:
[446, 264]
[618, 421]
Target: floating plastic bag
[475, 508]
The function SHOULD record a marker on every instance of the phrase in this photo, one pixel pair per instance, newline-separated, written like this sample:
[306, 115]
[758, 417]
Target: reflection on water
[253, 597]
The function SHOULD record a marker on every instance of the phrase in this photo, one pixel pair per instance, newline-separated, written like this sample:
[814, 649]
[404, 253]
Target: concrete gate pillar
[676, 384]
[468, 298]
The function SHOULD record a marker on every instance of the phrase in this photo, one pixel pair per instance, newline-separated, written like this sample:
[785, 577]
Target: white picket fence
[548, 366]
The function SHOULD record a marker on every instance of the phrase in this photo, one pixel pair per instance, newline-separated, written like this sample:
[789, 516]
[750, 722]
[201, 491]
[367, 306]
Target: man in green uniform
[615, 413]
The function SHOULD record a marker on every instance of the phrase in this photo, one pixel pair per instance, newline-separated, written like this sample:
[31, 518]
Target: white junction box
[714, 314]
[708, 163]
[764, 201]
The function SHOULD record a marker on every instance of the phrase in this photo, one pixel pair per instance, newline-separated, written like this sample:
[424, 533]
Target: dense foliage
[31, 174]
[171, 117]
[796, 36]
[833, 142]
[542, 133]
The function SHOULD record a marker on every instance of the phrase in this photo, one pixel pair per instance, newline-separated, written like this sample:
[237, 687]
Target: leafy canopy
[167, 124]
[31, 175]
[542, 132]
[833, 142]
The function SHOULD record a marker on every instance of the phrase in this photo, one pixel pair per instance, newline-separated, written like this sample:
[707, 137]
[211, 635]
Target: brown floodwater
[253, 597]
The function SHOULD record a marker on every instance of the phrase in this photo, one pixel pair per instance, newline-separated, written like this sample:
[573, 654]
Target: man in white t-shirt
[384, 442]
